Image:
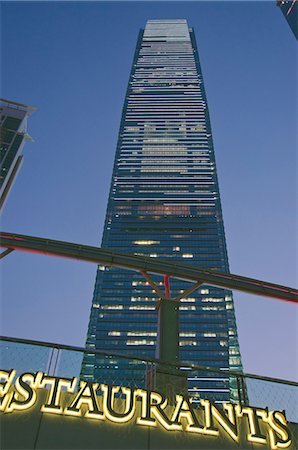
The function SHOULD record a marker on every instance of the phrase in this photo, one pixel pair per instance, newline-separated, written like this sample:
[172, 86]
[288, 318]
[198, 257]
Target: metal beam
[154, 287]
[167, 344]
[6, 252]
[188, 291]
[147, 264]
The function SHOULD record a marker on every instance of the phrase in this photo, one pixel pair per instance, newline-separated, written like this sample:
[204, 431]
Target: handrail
[147, 360]
[10, 102]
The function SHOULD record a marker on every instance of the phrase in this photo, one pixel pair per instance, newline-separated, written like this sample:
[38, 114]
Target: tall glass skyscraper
[13, 135]
[289, 9]
[164, 203]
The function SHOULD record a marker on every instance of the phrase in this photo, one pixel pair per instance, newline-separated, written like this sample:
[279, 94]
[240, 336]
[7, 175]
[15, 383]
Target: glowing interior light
[146, 242]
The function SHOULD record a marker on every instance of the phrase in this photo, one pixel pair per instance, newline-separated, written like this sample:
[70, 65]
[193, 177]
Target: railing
[138, 372]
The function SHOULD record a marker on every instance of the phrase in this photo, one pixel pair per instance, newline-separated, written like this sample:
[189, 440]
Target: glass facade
[164, 203]
[13, 121]
[289, 9]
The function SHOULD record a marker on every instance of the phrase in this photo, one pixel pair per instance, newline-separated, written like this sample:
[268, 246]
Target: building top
[166, 30]
[17, 106]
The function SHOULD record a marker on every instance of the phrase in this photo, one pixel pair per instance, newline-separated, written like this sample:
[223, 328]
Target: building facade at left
[13, 121]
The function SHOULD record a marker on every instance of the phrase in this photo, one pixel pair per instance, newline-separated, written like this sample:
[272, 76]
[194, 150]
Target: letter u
[109, 403]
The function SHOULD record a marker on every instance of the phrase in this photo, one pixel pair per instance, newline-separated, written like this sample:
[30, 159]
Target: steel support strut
[167, 348]
[167, 376]
[6, 252]
[153, 285]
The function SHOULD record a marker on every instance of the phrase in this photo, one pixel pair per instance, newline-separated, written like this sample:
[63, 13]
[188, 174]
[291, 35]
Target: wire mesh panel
[274, 395]
[24, 357]
[116, 370]
[199, 383]
[67, 363]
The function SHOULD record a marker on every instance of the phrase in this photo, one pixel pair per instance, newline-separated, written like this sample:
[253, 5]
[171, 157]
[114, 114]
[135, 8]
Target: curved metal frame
[146, 265]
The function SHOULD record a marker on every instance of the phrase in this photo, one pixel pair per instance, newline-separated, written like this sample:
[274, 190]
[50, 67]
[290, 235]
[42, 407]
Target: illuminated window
[140, 283]
[233, 351]
[141, 333]
[112, 307]
[212, 300]
[235, 360]
[209, 334]
[187, 334]
[187, 308]
[187, 255]
[144, 308]
[140, 342]
[210, 308]
[114, 333]
[140, 299]
[184, 343]
[188, 299]
[146, 242]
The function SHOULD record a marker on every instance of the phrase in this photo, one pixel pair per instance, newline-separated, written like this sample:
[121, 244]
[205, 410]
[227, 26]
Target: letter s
[281, 436]
[24, 387]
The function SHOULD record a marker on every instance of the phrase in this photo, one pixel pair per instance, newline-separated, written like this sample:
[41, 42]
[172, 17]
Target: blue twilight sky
[72, 60]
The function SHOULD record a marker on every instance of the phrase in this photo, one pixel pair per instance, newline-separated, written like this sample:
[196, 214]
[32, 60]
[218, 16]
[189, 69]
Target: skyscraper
[164, 203]
[13, 121]
[289, 9]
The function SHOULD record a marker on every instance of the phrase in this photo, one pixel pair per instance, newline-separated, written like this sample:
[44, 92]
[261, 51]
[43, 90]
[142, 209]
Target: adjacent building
[289, 9]
[164, 203]
[13, 122]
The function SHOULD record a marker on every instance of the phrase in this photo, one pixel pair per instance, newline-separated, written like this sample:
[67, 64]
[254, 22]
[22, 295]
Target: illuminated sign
[146, 408]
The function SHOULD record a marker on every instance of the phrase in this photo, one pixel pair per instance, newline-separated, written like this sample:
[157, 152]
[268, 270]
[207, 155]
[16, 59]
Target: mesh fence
[197, 382]
[274, 395]
[24, 357]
